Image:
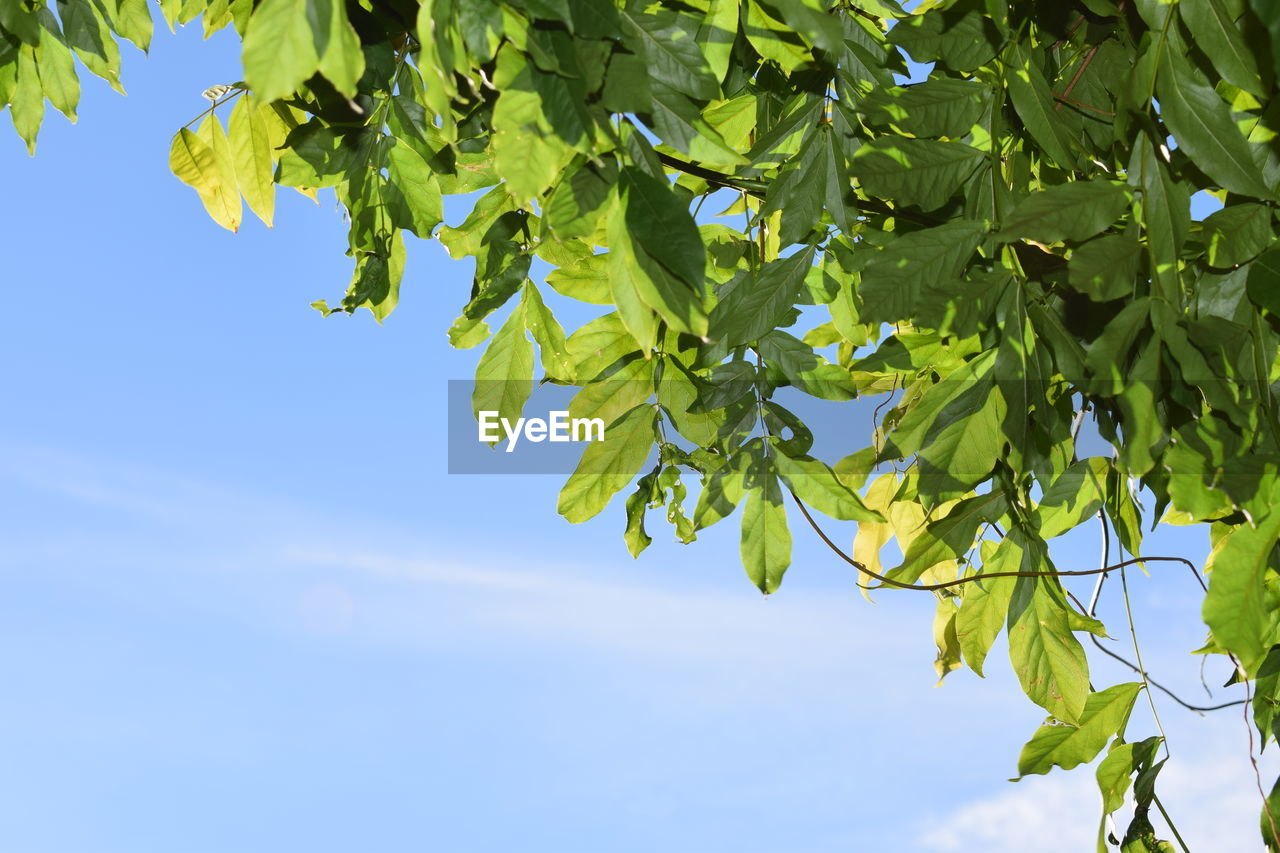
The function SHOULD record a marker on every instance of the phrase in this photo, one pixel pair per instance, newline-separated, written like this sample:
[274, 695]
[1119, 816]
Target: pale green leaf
[251, 151]
[1070, 745]
[504, 374]
[608, 466]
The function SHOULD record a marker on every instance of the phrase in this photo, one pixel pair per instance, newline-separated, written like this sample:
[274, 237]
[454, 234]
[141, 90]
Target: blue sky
[246, 608]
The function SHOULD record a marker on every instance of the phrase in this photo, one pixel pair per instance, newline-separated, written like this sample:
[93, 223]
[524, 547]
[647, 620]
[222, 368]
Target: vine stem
[932, 587]
[1092, 609]
[1142, 669]
[1253, 759]
[1159, 805]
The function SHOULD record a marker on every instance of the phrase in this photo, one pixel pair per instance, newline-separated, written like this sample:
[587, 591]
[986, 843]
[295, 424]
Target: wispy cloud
[1207, 786]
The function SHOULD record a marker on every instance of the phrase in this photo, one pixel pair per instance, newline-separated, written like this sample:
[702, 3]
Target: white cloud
[1209, 789]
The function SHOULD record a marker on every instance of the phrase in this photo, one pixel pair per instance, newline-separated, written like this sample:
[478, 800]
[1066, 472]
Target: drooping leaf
[1202, 125]
[1235, 607]
[1105, 714]
[608, 466]
[504, 375]
[1048, 659]
[251, 151]
[766, 540]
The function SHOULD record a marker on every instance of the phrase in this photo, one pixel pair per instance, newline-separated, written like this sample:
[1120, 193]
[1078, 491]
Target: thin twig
[1084, 66]
[235, 93]
[1066, 99]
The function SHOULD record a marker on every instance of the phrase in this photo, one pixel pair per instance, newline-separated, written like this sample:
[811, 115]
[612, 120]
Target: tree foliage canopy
[978, 210]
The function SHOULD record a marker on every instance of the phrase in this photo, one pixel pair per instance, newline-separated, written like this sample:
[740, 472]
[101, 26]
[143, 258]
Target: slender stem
[1257, 773]
[931, 587]
[1084, 66]
[1064, 99]
[234, 94]
[1167, 820]
[1142, 670]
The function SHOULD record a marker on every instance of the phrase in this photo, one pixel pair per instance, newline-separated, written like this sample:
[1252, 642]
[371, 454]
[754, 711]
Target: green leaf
[526, 152]
[716, 33]
[637, 504]
[1106, 268]
[625, 285]
[678, 120]
[985, 606]
[27, 107]
[576, 205]
[608, 466]
[1074, 211]
[552, 348]
[815, 484]
[766, 540]
[793, 362]
[1048, 659]
[1201, 123]
[336, 42]
[1263, 283]
[224, 205]
[800, 190]
[962, 37]
[1237, 233]
[1075, 496]
[945, 638]
[940, 106]
[1115, 770]
[920, 172]
[251, 153]
[587, 280]
[752, 305]
[417, 184]
[504, 374]
[279, 48]
[721, 492]
[811, 19]
[1108, 354]
[133, 22]
[966, 447]
[894, 279]
[1165, 212]
[1105, 714]
[1215, 32]
[87, 33]
[1031, 97]
[194, 162]
[1269, 15]
[671, 53]
[376, 283]
[949, 537]
[598, 345]
[1236, 608]
[616, 393]
[659, 241]
[56, 67]
[923, 419]
[466, 333]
